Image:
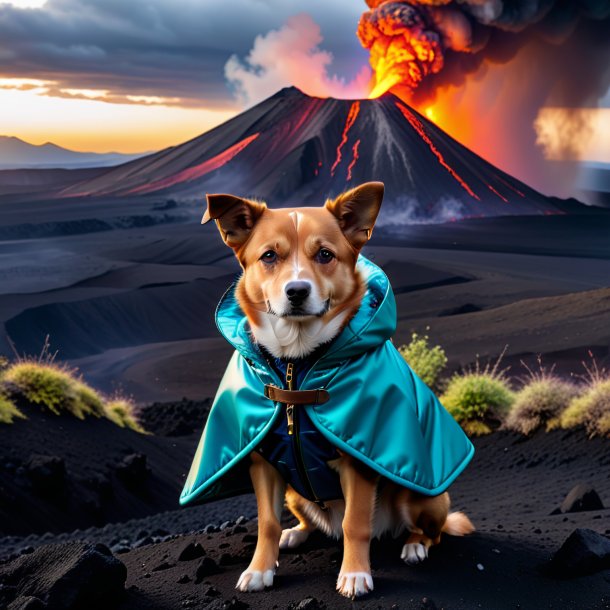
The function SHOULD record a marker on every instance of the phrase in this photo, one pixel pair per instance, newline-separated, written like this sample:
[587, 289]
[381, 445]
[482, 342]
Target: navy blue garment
[301, 458]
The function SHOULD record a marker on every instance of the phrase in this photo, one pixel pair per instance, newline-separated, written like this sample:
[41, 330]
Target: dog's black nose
[297, 291]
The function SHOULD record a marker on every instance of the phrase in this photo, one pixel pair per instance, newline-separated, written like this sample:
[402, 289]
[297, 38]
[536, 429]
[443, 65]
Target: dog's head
[299, 284]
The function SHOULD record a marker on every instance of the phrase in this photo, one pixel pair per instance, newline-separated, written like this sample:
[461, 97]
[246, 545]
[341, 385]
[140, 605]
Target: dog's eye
[269, 257]
[324, 256]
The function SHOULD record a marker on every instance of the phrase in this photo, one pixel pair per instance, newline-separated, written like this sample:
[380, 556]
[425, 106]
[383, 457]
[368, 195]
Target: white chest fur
[290, 338]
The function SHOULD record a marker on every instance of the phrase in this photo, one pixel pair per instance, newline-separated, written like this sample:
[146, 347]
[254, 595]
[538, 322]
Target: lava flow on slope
[296, 149]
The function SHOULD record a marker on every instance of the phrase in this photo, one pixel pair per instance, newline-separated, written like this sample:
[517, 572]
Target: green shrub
[426, 361]
[90, 400]
[8, 411]
[591, 409]
[540, 404]
[59, 389]
[478, 400]
[54, 387]
[121, 411]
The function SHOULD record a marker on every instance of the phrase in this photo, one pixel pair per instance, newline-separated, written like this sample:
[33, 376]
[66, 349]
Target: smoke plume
[291, 56]
[420, 45]
[491, 67]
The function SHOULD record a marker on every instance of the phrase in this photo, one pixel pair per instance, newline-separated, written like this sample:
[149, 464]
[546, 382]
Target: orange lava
[384, 85]
[190, 173]
[511, 187]
[493, 190]
[419, 128]
[350, 167]
[404, 49]
[351, 119]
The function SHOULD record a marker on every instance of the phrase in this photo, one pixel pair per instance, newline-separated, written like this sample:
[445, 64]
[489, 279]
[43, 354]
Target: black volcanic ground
[510, 490]
[126, 288]
[129, 298]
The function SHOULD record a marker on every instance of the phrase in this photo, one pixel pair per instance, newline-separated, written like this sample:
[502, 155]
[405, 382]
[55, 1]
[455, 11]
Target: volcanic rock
[309, 603]
[234, 604]
[582, 497]
[193, 550]
[27, 603]
[46, 473]
[63, 577]
[175, 418]
[133, 470]
[207, 567]
[146, 540]
[584, 552]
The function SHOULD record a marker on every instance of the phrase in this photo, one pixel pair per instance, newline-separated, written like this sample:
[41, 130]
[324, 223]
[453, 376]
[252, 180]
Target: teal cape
[379, 411]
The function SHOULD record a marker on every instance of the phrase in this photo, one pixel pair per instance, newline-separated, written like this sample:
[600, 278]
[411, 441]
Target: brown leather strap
[296, 397]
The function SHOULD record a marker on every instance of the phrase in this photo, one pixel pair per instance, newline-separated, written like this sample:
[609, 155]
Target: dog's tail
[458, 524]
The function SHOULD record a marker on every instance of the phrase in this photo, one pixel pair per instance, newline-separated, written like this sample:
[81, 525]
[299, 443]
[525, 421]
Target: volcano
[296, 149]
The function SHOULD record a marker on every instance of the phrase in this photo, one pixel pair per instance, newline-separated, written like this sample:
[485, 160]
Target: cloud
[158, 48]
[565, 133]
[291, 56]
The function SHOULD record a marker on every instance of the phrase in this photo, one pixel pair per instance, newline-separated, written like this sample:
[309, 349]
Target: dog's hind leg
[269, 488]
[427, 517]
[424, 516]
[295, 536]
[359, 485]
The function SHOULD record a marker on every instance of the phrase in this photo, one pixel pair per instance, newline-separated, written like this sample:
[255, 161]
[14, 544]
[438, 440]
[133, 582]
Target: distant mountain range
[17, 154]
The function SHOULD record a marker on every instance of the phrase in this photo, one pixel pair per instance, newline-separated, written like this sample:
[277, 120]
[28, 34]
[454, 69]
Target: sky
[137, 75]
[140, 75]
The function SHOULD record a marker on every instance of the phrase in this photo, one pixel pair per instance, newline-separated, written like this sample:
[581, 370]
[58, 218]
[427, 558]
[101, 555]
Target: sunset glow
[93, 125]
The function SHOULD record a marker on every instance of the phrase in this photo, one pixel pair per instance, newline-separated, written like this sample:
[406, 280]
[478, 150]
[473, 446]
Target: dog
[300, 289]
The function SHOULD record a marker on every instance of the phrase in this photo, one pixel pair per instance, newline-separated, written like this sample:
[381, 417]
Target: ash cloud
[434, 43]
[502, 62]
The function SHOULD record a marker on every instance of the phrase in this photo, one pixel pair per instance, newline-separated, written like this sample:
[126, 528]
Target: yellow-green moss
[478, 400]
[540, 403]
[121, 412]
[92, 403]
[54, 387]
[426, 361]
[8, 411]
[591, 409]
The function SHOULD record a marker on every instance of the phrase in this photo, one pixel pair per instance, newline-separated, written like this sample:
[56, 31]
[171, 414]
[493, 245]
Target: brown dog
[299, 288]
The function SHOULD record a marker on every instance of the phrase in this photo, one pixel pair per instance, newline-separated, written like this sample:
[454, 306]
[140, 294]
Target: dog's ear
[234, 216]
[357, 210]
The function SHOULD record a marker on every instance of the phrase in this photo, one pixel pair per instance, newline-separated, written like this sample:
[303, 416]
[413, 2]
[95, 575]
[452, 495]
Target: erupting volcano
[297, 149]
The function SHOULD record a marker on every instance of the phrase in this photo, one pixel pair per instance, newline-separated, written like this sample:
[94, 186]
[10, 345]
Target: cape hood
[379, 411]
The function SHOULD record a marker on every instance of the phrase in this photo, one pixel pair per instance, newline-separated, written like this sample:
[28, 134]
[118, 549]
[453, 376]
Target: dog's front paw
[255, 580]
[293, 537]
[413, 553]
[354, 584]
